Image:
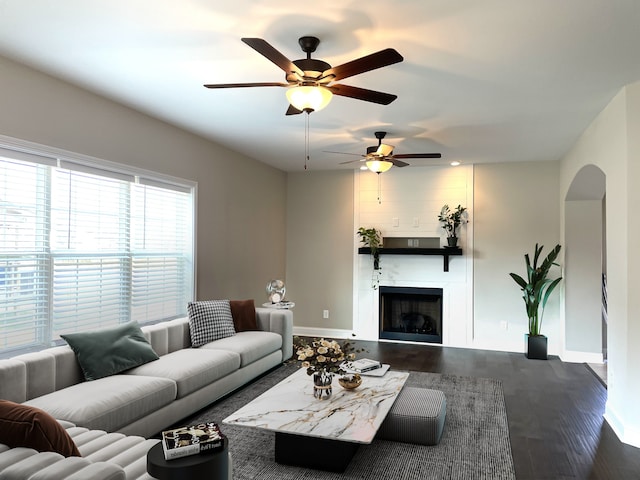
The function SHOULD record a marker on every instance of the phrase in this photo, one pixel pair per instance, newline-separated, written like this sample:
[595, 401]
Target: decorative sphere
[275, 291]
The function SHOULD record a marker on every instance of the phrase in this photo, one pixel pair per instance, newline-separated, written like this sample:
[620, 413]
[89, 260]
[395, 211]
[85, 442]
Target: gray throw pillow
[209, 320]
[112, 350]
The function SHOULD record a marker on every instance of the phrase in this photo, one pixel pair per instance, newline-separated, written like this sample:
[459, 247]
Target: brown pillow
[244, 315]
[25, 426]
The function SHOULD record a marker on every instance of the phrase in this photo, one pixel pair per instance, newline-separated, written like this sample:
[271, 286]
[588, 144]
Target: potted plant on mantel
[451, 220]
[536, 290]
[372, 238]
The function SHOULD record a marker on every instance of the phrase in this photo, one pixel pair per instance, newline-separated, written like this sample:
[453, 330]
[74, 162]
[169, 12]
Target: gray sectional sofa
[144, 400]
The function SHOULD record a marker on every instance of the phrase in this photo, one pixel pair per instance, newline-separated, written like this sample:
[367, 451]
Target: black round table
[214, 466]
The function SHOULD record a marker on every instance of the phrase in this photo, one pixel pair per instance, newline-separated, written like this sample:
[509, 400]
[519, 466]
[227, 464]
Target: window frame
[57, 158]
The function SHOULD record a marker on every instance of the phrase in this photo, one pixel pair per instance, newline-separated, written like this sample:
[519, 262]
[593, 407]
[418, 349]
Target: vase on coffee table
[322, 389]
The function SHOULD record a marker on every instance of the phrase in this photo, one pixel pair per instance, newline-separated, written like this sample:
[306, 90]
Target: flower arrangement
[319, 354]
[451, 220]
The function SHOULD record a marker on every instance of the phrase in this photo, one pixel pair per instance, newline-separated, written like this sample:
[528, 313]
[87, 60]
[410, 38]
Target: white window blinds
[84, 248]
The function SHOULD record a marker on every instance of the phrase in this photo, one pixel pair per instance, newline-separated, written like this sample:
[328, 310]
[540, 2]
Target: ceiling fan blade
[240, 85]
[418, 155]
[376, 60]
[293, 111]
[352, 161]
[343, 153]
[397, 163]
[362, 94]
[384, 150]
[266, 50]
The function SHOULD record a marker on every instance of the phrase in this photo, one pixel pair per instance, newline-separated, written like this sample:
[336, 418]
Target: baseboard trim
[323, 332]
[571, 356]
[630, 436]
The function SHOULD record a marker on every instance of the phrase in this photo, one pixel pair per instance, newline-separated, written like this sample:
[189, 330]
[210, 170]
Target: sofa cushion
[244, 315]
[30, 427]
[112, 350]
[191, 368]
[209, 320]
[251, 346]
[110, 402]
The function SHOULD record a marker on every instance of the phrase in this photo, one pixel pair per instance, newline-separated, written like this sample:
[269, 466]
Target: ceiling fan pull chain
[306, 140]
[379, 189]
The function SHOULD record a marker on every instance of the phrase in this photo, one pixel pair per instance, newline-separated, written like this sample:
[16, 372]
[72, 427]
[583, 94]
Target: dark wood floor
[554, 409]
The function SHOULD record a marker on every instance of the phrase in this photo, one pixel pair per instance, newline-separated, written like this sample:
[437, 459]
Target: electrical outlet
[325, 314]
[416, 222]
[504, 325]
[395, 221]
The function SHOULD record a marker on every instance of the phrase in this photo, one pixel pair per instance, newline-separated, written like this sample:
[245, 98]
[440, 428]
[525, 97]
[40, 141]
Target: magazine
[192, 440]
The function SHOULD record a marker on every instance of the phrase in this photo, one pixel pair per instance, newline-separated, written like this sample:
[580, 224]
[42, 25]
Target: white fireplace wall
[410, 200]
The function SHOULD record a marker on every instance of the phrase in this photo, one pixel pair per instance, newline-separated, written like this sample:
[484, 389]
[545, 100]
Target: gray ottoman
[417, 416]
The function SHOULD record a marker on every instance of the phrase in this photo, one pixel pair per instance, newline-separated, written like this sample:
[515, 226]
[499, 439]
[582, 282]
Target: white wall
[411, 199]
[611, 143]
[241, 202]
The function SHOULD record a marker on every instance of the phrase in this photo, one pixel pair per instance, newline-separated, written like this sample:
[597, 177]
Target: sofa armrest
[278, 321]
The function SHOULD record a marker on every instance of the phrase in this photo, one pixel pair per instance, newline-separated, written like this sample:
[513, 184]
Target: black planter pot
[452, 242]
[535, 347]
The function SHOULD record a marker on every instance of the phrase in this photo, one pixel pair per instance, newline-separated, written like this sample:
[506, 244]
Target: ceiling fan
[380, 158]
[314, 77]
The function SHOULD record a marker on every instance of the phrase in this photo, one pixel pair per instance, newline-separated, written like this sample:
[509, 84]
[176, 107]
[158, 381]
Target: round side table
[204, 465]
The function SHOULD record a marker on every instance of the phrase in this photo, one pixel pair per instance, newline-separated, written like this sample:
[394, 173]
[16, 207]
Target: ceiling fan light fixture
[307, 98]
[378, 166]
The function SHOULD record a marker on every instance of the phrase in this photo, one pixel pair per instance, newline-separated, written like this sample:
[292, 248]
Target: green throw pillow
[101, 353]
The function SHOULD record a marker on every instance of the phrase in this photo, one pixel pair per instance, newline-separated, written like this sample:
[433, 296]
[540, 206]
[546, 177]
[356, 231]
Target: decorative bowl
[351, 381]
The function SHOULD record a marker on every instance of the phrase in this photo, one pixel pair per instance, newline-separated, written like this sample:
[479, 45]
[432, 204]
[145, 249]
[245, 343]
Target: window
[85, 246]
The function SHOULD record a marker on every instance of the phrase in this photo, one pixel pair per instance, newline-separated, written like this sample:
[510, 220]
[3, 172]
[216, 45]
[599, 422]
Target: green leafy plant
[537, 288]
[451, 220]
[372, 238]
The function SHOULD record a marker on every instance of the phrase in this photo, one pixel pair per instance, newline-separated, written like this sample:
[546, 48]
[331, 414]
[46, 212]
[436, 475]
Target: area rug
[474, 445]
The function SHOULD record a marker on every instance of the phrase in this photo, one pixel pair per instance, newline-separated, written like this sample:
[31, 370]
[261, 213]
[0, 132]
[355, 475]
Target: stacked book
[364, 365]
[192, 440]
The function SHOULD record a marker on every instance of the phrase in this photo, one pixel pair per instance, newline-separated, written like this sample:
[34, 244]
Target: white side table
[279, 305]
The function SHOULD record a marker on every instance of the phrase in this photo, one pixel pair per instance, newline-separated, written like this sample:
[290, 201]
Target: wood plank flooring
[555, 409]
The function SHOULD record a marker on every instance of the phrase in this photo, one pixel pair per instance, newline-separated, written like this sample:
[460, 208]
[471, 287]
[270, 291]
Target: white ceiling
[481, 81]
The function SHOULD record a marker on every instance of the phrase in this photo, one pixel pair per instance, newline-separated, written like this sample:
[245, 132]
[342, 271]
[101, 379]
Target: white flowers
[321, 354]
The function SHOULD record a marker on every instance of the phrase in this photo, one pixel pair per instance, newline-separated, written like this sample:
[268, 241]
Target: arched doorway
[586, 266]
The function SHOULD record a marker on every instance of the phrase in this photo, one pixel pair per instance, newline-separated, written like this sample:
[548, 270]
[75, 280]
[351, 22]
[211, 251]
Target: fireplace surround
[410, 314]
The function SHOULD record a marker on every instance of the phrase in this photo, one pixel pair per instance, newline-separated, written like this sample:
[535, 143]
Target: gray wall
[320, 248]
[583, 299]
[515, 207]
[241, 202]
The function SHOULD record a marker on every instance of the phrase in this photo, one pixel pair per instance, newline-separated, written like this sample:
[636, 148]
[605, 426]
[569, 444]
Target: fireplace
[408, 313]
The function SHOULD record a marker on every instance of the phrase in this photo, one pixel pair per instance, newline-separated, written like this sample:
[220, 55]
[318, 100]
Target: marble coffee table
[305, 425]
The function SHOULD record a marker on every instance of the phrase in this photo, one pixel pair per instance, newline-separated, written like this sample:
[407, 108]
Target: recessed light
[455, 163]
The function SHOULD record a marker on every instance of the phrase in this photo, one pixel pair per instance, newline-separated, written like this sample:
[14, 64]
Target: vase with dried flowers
[323, 359]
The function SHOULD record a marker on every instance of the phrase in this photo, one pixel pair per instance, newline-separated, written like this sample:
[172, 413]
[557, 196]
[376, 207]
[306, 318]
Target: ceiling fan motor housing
[372, 150]
[312, 68]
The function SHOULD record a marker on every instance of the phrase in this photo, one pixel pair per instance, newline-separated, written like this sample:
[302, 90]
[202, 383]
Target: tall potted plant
[451, 220]
[536, 290]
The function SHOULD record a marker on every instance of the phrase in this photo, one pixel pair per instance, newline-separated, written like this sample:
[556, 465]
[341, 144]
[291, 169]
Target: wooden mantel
[445, 252]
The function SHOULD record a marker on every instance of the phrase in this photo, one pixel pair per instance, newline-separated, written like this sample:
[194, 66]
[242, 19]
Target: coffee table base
[314, 452]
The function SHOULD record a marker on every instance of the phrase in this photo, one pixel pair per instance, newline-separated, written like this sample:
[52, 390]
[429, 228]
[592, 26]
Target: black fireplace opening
[412, 314]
